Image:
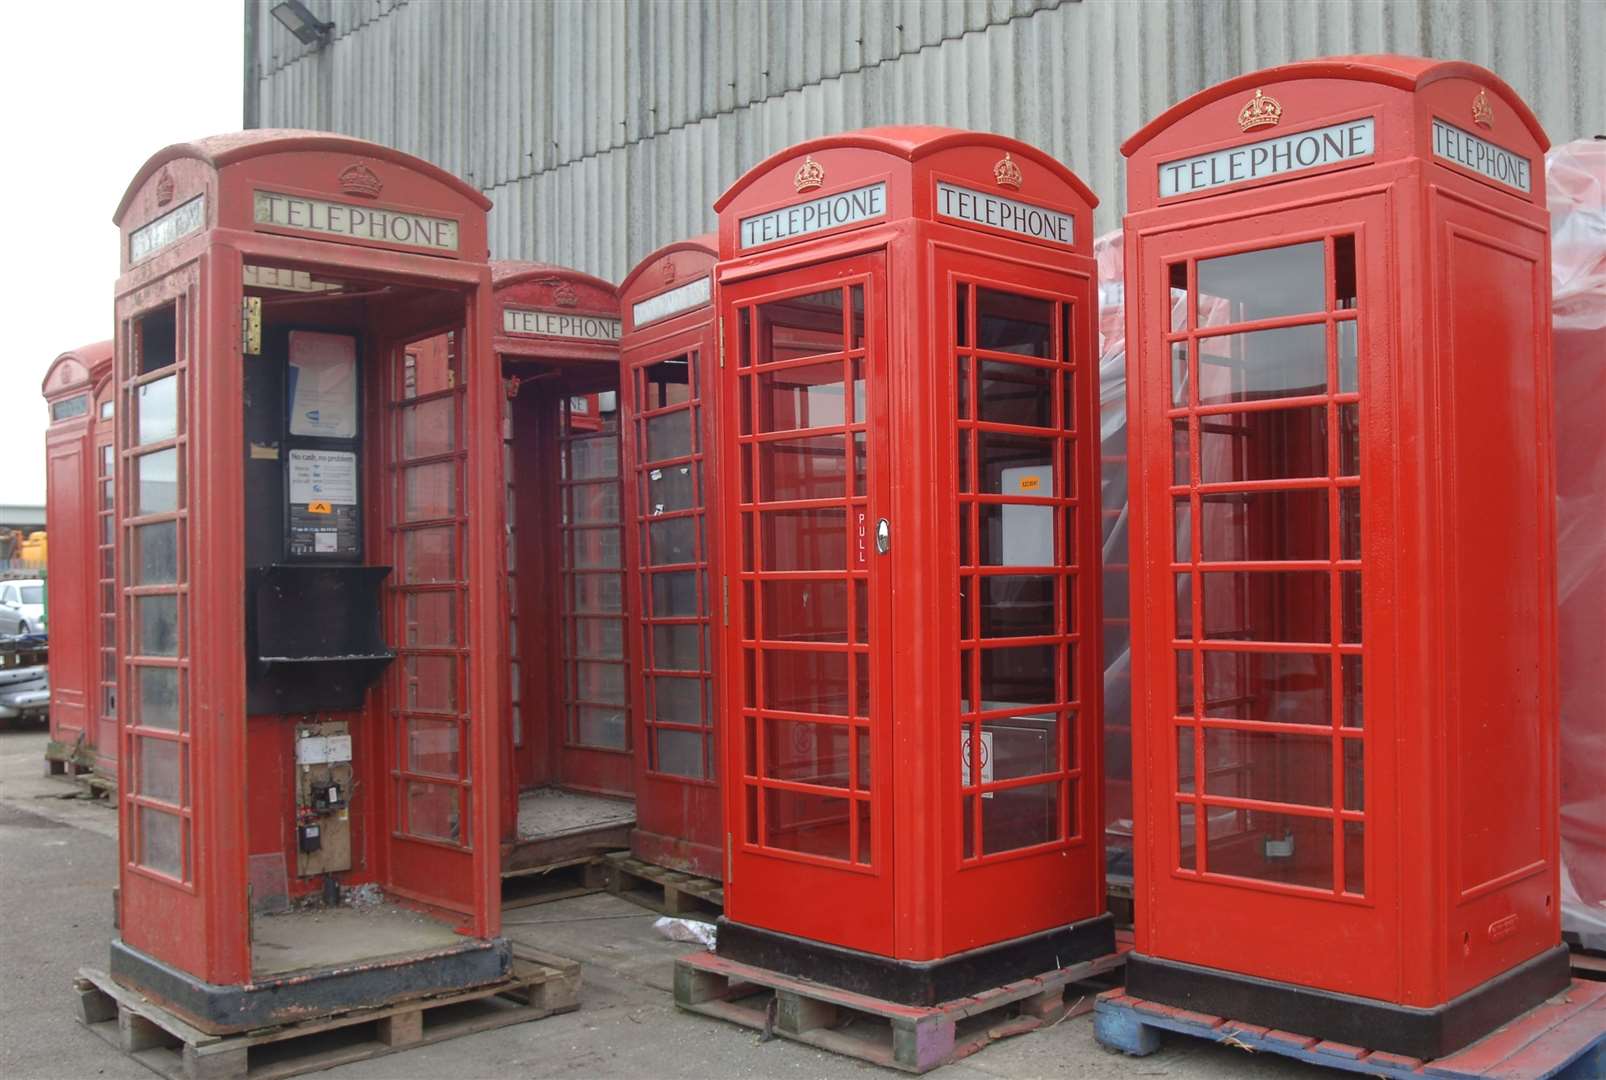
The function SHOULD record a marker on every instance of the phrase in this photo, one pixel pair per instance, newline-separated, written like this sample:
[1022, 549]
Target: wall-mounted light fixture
[295, 17]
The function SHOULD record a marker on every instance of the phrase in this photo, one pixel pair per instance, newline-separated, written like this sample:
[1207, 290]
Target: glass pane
[1184, 606]
[1014, 535]
[807, 468]
[1275, 444]
[672, 541]
[432, 619]
[596, 549]
[161, 847]
[680, 753]
[429, 491]
[1185, 761]
[1266, 284]
[159, 770]
[432, 747]
[1016, 394]
[599, 682]
[810, 682]
[1267, 605]
[670, 489]
[1019, 746]
[1349, 523]
[600, 726]
[1269, 767]
[1264, 526]
[1019, 817]
[1179, 373]
[667, 382]
[1270, 688]
[599, 639]
[1009, 323]
[431, 683]
[594, 504]
[594, 457]
[674, 594]
[806, 753]
[156, 622]
[428, 555]
[678, 701]
[804, 539]
[801, 397]
[804, 610]
[1284, 848]
[669, 436]
[1015, 464]
[432, 811]
[157, 703]
[156, 482]
[676, 647]
[1017, 605]
[600, 594]
[1354, 775]
[805, 822]
[1187, 838]
[800, 326]
[1177, 279]
[1290, 361]
[1349, 440]
[1350, 672]
[1349, 352]
[1355, 857]
[1021, 675]
[429, 429]
[154, 560]
[156, 406]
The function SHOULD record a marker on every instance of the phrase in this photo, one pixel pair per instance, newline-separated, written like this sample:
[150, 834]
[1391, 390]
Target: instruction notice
[323, 503]
[322, 386]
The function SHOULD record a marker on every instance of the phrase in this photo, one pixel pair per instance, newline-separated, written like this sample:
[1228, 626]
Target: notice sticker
[325, 542]
[323, 385]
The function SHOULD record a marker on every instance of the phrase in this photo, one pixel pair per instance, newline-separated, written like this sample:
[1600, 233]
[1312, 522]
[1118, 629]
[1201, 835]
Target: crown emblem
[809, 175]
[1007, 173]
[164, 188]
[359, 179]
[667, 270]
[1260, 111]
[511, 387]
[1482, 111]
[563, 294]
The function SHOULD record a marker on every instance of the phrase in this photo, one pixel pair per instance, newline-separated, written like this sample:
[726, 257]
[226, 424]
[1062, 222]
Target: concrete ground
[58, 866]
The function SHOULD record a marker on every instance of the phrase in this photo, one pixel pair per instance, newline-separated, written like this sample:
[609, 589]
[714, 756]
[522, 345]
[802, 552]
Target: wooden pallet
[671, 892]
[1588, 965]
[1564, 1037]
[912, 1038]
[540, 984]
[559, 881]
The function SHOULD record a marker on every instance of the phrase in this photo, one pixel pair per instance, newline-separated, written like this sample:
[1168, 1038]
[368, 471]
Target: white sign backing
[1011, 215]
[1349, 141]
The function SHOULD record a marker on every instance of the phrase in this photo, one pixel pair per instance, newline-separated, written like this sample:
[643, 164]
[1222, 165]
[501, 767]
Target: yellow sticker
[1029, 483]
[319, 508]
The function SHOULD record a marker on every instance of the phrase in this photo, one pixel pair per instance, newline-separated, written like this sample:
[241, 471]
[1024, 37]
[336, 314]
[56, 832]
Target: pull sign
[251, 325]
[883, 537]
[861, 539]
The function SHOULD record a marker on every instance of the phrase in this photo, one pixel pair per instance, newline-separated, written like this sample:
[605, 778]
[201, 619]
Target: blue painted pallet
[1562, 1039]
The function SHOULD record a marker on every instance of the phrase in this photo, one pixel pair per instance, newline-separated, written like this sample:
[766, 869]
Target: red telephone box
[909, 558]
[1343, 595]
[309, 618]
[669, 363]
[570, 763]
[78, 507]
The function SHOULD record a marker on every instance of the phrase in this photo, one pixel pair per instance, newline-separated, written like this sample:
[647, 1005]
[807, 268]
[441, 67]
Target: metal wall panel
[605, 129]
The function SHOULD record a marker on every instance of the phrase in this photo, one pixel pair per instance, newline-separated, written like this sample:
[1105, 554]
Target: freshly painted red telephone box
[309, 619]
[909, 558]
[78, 507]
[667, 382]
[570, 752]
[1343, 595]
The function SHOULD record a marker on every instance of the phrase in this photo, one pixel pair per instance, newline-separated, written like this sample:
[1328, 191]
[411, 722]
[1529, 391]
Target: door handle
[883, 536]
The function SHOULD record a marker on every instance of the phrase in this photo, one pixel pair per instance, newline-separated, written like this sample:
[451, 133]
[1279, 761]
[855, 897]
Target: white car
[22, 607]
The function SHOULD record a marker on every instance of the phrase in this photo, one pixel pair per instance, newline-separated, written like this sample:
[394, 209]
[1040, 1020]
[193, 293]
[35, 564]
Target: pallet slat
[669, 892]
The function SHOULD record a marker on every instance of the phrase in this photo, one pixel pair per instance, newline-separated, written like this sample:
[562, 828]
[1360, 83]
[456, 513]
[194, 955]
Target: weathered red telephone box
[78, 520]
[309, 620]
[570, 764]
[909, 561]
[668, 383]
[1343, 591]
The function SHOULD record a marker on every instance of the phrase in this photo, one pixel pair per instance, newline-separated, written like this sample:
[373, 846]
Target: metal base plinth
[300, 995]
[909, 982]
[1344, 1018]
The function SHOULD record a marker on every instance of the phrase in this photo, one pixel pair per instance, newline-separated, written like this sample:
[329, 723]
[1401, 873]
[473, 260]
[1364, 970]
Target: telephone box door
[804, 447]
[1259, 364]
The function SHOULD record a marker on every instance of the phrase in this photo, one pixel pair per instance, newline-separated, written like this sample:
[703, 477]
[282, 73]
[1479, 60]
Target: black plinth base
[304, 995]
[1358, 1021]
[927, 982]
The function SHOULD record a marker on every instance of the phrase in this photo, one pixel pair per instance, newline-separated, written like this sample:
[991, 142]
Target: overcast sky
[93, 89]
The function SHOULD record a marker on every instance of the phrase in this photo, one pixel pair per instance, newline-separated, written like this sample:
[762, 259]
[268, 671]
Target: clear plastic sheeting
[1576, 173]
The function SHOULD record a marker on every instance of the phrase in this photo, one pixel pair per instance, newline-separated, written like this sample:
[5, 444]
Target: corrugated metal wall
[603, 129]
